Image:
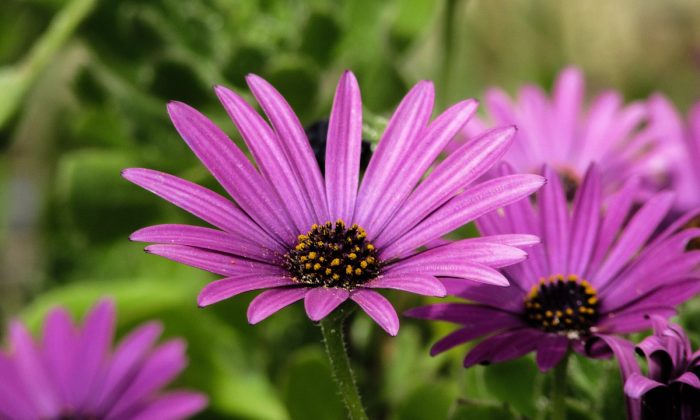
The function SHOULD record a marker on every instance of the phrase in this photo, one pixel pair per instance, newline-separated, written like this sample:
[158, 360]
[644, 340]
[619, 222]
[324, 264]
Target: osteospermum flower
[591, 279]
[326, 240]
[73, 372]
[684, 138]
[562, 132]
[671, 388]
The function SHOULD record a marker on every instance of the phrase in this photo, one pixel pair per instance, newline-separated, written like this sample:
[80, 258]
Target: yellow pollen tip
[299, 247]
[317, 266]
[328, 271]
[352, 255]
[369, 247]
[363, 264]
[592, 300]
[336, 277]
[559, 314]
[569, 311]
[307, 266]
[348, 269]
[549, 314]
[582, 309]
[335, 262]
[358, 271]
[303, 258]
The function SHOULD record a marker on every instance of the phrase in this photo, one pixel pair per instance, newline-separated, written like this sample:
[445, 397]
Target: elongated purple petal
[550, 350]
[271, 301]
[60, 337]
[214, 262]
[473, 331]
[554, 219]
[13, 398]
[505, 298]
[233, 170]
[201, 202]
[690, 379]
[321, 301]
[405, 125]
[343, 148]
[464, 208]
[459, 170]
[452, 268]
[504, 346]
[463, 313]
[201, 237]
[378, 308]
[637, 385]
[173, 406]
[481, 252]
[585, 221]
[425, 285]
[293, 140]
[427, 148]
[269, 153]
[231, 286]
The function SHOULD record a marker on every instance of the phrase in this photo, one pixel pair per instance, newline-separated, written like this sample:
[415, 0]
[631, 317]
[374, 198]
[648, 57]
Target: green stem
[558, 393]
[333, 337]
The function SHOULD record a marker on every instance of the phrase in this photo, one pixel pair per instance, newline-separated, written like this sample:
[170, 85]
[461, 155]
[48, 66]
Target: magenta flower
[671, 388]
[592, 278]
[325, 240]
[684, 138]
[562, 132]
[73, 372]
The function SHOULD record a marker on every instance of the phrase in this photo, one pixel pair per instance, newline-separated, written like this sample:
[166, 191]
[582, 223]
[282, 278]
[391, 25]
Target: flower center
[333, 255]
[563, 305]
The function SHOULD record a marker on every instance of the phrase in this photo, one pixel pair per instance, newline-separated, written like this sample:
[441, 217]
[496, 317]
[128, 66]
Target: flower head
[671, 388]
[73, 372]
[592, 278]
[329, 239]
[560, 131]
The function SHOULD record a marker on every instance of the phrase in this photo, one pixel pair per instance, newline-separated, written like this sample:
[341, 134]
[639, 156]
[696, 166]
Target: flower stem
[558, 392]
[333, 337]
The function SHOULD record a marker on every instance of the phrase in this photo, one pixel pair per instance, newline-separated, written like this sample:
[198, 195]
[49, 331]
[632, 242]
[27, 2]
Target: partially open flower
[74, 373]
[329, 239]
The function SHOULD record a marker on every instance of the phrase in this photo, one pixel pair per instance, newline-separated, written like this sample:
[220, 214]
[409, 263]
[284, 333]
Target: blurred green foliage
[84, 85]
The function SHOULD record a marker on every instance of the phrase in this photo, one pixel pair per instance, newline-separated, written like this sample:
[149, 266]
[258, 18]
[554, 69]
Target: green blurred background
[83, 87]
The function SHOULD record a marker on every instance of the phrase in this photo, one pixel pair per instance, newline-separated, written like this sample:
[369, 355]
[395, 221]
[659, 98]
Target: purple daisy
[560, 131]
[73, 372]
[590, 280]
[671, 388]
[685, 139]
[329, 240]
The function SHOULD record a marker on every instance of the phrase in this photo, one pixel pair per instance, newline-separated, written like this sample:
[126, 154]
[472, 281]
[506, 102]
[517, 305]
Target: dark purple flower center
[333, 255]
[564, 305]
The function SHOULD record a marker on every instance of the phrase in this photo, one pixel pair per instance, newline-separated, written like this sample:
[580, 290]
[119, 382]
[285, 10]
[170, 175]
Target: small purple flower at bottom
[330, 238]
[73, 372]
[671, 388]
[598, 273]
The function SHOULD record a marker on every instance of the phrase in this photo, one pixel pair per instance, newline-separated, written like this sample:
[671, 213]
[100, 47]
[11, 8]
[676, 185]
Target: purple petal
[464, 208]
[378, 308]
[464, 313]
[232, 169]
[632, 320]
[640, 228]
[567, 97]
[426, 149]
[293, 140]
[32, 373]
[201, 237]
[505, 298]
[125, 364]
[585, 221]
[671, 294]
[161, 367]
[412, 283]
[214, 262]
[14, 402]
[173, 406]
[637, 385]
[455, 173]
[480, 252]
[550, 350]
[60, 337]
[473, 331]
[271, 301]
[517, 240]
[554, 219]
[225, 288]
[93, 346]
[269, 153]
[343, 148]
[404, 127]
[201, 202]
[321, 301]
[504, 346]
[690, 379]
[451, 268]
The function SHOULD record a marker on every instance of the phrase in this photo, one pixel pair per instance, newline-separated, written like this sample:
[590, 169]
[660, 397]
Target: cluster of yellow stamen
[562, 304]
[333, 255]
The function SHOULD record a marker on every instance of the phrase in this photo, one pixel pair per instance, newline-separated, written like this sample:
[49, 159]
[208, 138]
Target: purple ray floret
[288, 230]
[73, 372]
[671, 388]
[601, 270]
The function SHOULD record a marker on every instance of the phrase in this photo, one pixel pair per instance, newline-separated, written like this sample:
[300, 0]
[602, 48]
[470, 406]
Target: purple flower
[329, 240]
[684, 138]
[590, 279]
[671, 388]
[562, 132]
[73, 372]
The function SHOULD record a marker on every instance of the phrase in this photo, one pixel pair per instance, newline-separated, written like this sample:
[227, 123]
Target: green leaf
[514, 383]
[428, 401]
[308, 387]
